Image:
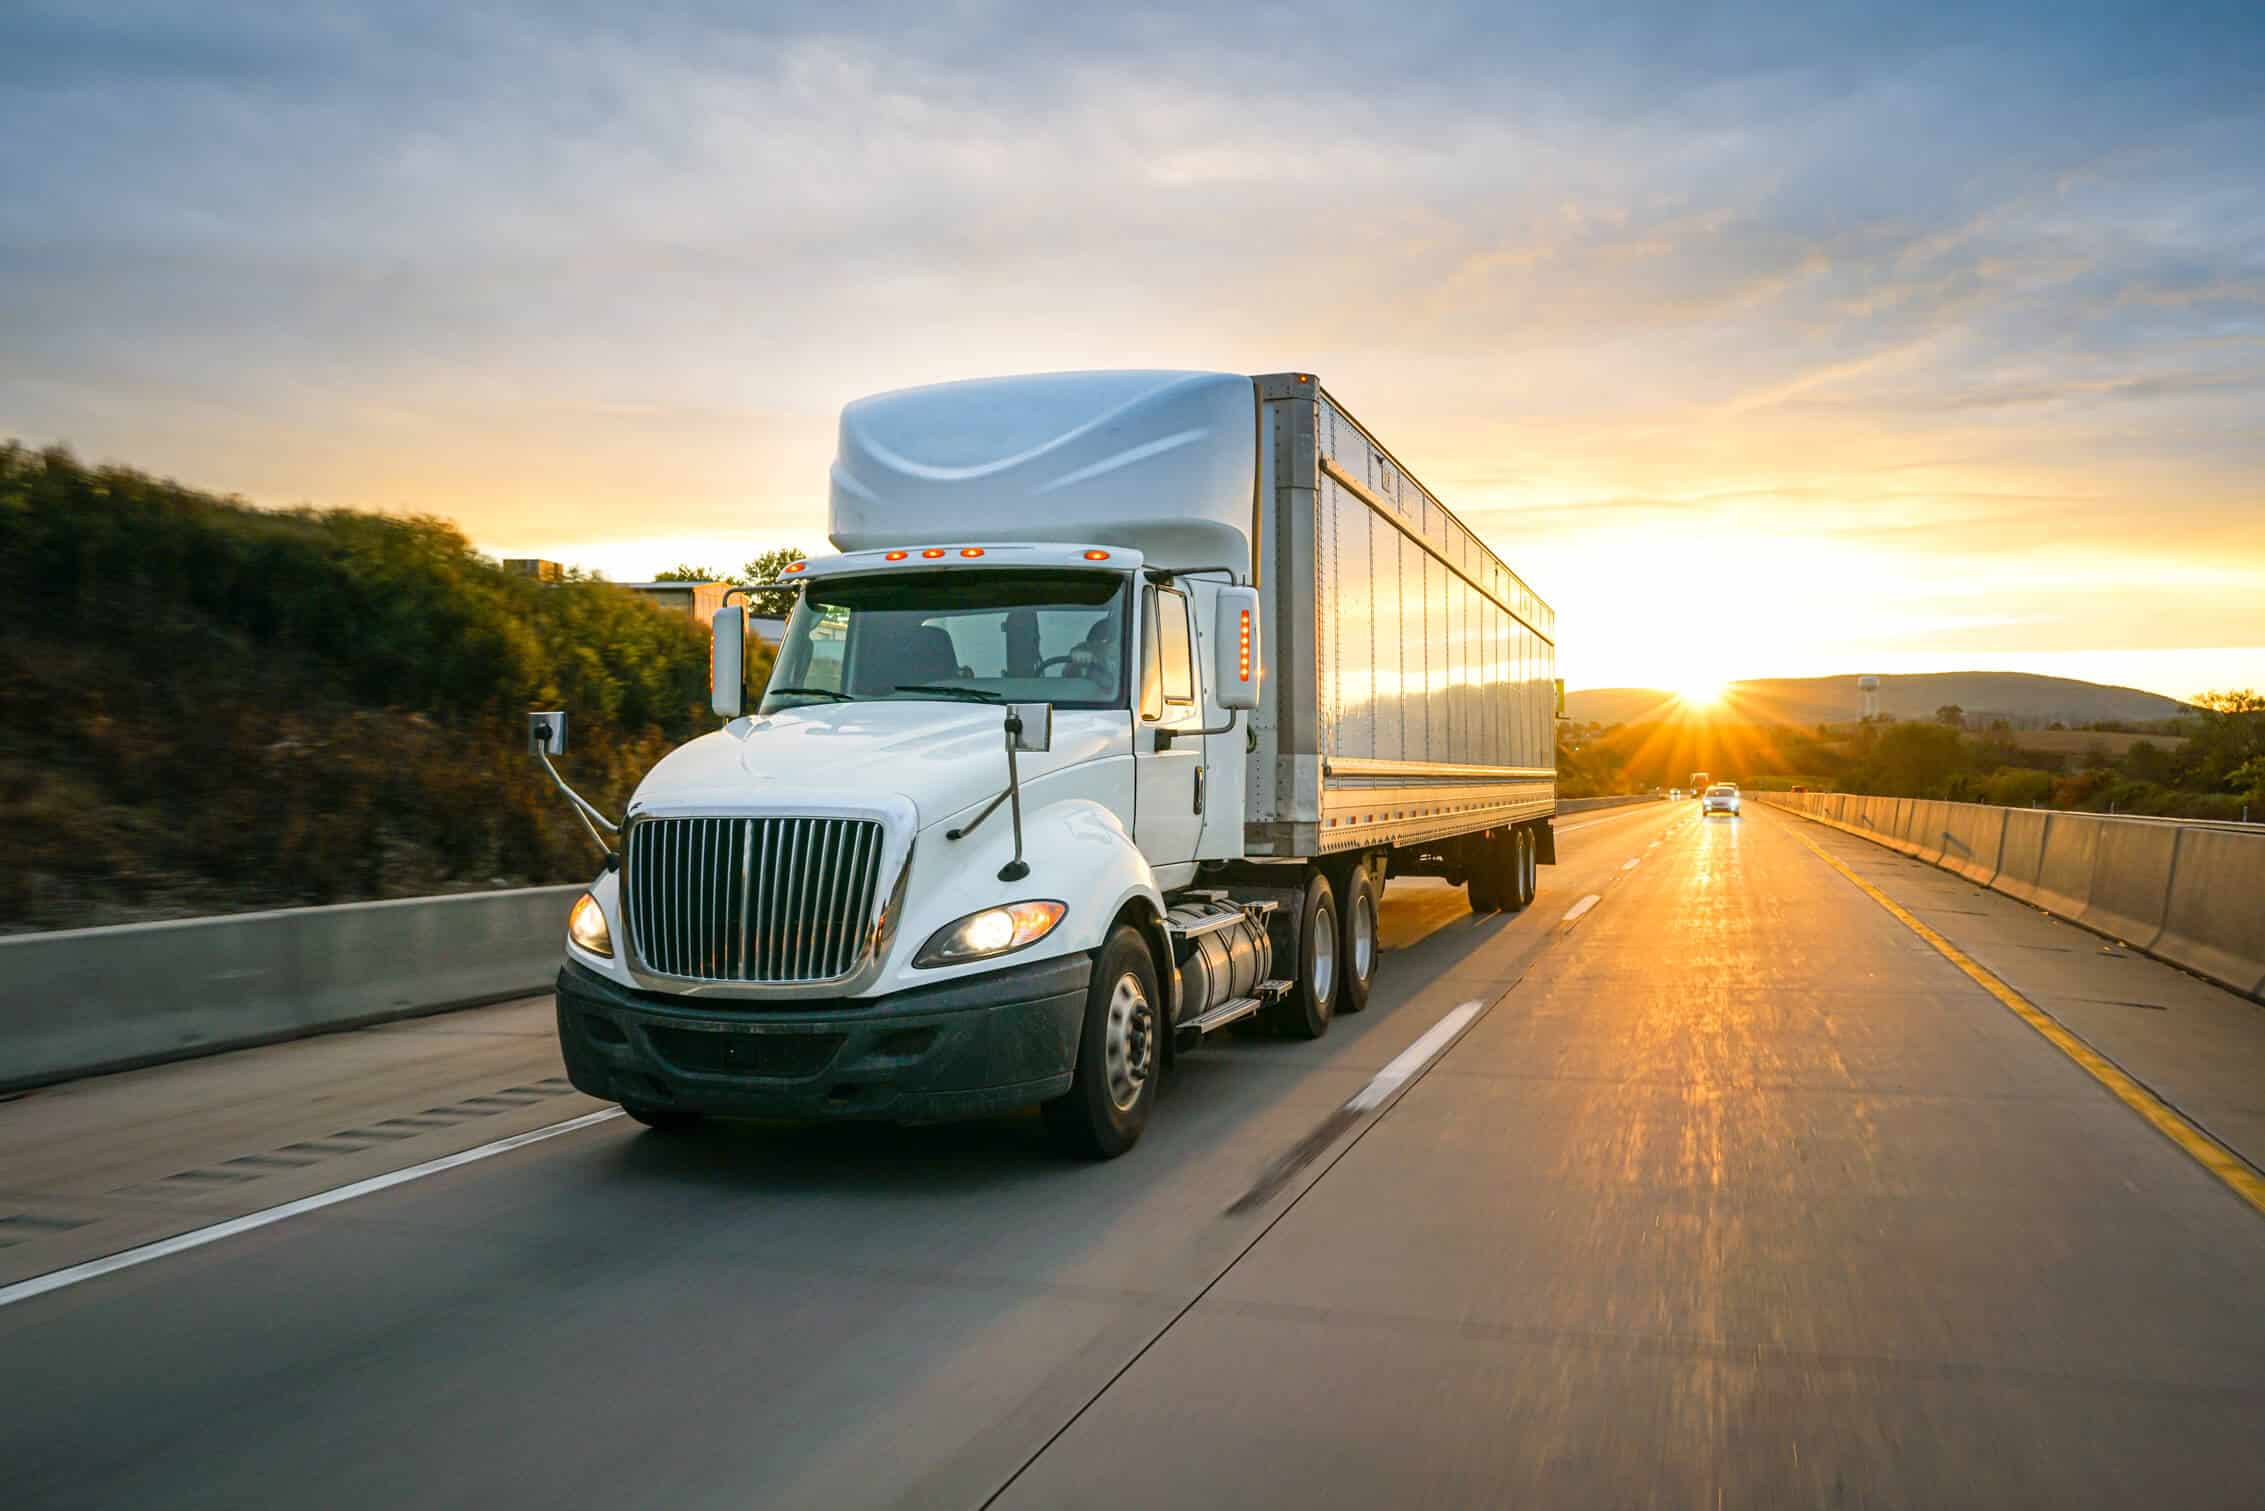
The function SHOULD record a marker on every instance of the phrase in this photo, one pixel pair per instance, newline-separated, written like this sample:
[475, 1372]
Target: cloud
[1872, 279]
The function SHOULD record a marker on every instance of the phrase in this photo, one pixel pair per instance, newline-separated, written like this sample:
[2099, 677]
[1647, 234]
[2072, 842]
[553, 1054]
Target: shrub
[206, 706]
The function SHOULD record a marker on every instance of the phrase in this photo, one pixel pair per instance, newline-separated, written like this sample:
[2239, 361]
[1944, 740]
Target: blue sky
[1861, 338]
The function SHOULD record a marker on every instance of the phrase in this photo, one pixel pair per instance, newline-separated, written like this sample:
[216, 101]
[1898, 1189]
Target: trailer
[1122, 700]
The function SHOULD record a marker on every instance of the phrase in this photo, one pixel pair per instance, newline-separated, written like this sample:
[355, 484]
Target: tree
[685, 572]
[763, 570]
[1952, 715]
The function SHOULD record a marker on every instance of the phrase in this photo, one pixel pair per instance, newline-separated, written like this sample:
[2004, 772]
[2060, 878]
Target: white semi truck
[1124, 696]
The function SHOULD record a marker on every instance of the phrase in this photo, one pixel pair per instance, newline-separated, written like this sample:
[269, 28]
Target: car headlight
[994, 931]
[586, 926]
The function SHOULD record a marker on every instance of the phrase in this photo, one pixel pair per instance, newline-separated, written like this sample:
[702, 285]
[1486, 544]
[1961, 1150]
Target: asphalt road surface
[1728, 1190]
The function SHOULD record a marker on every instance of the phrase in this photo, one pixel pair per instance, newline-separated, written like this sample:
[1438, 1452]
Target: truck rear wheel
[1362, 949]
[1529, 867]
[1314, 952]
[1119, 1051]
[1494, 879]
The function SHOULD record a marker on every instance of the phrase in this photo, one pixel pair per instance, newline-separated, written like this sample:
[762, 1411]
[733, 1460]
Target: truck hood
[942, 757]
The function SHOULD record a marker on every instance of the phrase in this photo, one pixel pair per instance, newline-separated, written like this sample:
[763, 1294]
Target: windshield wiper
[980, 695]
[807, 692]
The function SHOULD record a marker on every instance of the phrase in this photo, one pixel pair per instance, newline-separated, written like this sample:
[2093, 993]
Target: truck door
[1168, 762]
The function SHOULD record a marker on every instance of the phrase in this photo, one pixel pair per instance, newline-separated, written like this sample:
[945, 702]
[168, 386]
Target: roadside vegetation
[2207, 764]
[206, 707]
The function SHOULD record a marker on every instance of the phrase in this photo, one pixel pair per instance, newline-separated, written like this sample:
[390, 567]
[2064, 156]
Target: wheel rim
[1324, 953]
[1128, 1041]
[1364, 935]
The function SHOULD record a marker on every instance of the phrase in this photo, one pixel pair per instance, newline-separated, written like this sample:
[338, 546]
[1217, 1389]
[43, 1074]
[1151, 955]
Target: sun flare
[1700, 692]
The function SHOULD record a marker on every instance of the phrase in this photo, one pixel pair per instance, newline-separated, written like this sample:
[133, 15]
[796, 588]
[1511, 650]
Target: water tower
[1870, 688]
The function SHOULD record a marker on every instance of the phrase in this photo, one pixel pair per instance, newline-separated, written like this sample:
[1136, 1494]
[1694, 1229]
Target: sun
[1700, 691]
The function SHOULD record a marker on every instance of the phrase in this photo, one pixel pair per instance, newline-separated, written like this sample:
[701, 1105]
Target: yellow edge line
[2204, 1150]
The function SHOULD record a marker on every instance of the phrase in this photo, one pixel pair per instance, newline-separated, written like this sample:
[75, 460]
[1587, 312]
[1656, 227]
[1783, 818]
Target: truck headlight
[994, 931]
[586, 926]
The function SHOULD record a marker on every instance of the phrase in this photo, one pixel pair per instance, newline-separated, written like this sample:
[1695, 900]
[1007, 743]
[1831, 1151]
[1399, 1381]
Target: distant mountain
[2019, 697]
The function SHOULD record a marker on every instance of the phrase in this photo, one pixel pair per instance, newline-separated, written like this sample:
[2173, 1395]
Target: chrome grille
[774, 900]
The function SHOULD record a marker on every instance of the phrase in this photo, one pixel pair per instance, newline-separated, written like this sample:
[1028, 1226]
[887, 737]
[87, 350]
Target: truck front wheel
[1118, 1054]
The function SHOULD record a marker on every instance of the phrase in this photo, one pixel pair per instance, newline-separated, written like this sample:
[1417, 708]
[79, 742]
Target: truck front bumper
[976, 1045]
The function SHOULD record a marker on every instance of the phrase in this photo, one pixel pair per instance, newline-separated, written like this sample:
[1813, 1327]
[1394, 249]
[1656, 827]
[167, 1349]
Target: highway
[1708, 1180]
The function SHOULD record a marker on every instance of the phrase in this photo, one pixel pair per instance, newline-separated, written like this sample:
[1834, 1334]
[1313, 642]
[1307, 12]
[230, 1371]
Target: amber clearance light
[896, 555]
[1242, 651]
[796, 566]
[971, 550]
[1096, 556]
[932, 553]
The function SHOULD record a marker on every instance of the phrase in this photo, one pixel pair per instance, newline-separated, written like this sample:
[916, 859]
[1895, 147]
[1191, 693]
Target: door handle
[1200, 773]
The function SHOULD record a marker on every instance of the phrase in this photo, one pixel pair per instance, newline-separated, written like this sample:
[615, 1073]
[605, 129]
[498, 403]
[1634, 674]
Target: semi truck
[1123, 698]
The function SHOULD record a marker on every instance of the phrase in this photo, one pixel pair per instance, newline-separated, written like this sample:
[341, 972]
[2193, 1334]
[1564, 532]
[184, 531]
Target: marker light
[971, 550]
[1242, 651]
[1096, 556]
[994, 931]
[896, 556]
[796, 566]
[932, 553]
[586, 926]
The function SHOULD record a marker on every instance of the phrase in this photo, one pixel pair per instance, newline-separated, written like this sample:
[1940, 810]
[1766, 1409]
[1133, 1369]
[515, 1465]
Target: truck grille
[770, 900]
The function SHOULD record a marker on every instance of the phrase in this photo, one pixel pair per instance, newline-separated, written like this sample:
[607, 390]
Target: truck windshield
[1051, 637]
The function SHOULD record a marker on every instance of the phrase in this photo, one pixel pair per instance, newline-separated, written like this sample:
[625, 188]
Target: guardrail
[84, 1001]
[81, 1001]
[2188, 892]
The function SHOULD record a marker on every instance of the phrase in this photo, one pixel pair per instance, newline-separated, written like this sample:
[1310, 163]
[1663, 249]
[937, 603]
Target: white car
[1722, 797]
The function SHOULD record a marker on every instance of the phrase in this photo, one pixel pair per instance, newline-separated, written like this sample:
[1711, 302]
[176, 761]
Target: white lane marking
[1573, 914]
[197, 1238]
[1414, 1058]
[1633, 864]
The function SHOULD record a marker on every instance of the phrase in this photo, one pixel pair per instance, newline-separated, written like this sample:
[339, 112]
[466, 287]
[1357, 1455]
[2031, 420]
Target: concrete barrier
[2189, 893]
[2064, 870]
[1930, 832]
[1584, 804]
[2131, 880]
[2021, 858]
[2214, 918]
[1976, 836]
[80, 1001]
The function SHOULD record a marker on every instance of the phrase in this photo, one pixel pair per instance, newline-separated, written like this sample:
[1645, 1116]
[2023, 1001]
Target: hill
[2022, 698]
[206, 707]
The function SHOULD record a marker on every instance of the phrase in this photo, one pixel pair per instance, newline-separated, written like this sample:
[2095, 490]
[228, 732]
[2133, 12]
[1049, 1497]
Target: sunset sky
[1765, 339]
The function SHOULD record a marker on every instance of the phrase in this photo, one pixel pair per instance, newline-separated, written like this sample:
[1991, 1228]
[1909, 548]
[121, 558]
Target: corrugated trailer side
[1410, 687]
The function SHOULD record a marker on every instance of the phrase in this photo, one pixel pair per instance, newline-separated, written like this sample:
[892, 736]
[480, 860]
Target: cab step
[1191, 1033]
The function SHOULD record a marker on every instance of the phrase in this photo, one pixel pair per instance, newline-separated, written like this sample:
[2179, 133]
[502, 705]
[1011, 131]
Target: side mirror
[546, 733]
[1235, 666]
[727, 661]
[1036, 721]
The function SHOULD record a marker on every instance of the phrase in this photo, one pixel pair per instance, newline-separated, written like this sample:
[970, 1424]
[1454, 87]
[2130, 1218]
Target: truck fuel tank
[1221, 951]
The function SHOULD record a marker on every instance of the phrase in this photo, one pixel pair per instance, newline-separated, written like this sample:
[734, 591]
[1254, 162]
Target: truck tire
[1119, 1054]
[1494, 880]
[1362, 950]
[663, 1119]
[1314, 955]
[1528, 852]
